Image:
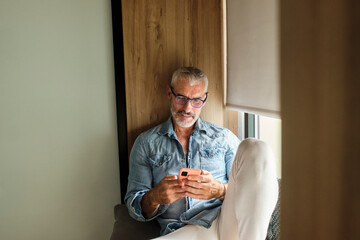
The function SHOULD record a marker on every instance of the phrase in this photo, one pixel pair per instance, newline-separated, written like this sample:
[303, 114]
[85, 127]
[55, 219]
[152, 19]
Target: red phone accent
[185, 172]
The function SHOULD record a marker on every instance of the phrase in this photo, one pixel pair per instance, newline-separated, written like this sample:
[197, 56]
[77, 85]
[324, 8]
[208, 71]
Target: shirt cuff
[136, 210]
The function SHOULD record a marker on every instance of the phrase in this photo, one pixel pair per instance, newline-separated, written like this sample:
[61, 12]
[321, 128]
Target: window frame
[248, 125]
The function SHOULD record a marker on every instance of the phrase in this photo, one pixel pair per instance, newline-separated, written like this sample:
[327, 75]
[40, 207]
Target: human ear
[168, 92]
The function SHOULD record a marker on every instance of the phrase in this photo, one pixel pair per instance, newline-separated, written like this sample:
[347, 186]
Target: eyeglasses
[182, 100]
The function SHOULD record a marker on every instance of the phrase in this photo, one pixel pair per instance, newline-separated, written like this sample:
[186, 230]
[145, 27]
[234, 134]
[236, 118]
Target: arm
[167, 191]
[139, 180]
[148, 204]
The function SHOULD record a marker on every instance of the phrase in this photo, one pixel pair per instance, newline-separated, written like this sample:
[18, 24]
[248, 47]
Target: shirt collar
[168, 129]
[200, 126]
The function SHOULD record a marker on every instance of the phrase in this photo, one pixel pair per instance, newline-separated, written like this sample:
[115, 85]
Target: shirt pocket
[213, 160]
[161, 166]
[158, 160]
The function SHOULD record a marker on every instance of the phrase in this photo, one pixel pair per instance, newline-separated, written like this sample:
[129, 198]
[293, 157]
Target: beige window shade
[252, 57]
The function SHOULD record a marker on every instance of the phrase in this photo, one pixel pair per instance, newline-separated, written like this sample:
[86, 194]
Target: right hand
[168, 190]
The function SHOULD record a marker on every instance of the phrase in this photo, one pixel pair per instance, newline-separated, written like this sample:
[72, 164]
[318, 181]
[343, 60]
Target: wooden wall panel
[159, 37]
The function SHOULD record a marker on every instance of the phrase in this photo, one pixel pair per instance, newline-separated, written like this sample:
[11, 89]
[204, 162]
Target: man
[187, 209]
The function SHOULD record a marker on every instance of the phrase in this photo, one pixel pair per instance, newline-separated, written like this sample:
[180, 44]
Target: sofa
[126, 228]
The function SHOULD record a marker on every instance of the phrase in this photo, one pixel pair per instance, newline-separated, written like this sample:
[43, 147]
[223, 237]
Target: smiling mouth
[184, 114]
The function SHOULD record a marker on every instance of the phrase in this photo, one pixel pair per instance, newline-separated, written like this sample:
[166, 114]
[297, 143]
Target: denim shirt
[158, 152]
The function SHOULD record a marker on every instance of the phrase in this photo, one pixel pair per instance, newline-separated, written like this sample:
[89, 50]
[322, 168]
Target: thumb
[204, 172]
[170, 177]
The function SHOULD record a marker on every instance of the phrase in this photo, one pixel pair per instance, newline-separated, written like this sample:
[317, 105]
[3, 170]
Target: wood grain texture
[159, 37]
[320, 120]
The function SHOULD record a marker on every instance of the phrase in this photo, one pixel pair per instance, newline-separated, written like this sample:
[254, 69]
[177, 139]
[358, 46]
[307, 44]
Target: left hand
[204, 186]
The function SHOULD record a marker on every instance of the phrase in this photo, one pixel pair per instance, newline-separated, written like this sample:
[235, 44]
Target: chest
[208, 154]
[184, 141]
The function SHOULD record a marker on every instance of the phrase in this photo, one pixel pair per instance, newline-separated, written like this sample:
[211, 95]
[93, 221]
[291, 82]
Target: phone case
[185, 172]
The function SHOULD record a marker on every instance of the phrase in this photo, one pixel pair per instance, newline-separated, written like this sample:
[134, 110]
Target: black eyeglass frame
[187, 99]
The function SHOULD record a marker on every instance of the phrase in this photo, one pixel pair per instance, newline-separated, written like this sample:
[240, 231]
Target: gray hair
[191, 74]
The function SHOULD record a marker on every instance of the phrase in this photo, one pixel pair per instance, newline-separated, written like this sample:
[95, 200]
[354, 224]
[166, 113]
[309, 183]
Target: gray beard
[183, 124]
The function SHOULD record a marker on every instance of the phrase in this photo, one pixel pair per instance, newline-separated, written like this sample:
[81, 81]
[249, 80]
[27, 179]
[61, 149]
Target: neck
[183, 135]
[183, 131]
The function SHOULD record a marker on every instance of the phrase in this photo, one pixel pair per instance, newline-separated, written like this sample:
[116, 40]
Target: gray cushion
[274, 226]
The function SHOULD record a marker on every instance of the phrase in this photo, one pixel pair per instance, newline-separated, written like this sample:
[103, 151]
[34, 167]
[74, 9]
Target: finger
[197, 196]
[194, 178]
[194, 184]
[172, 198]
[172, 183]
[170, 177]
[198, 189]
[204, 172]
[180, 195]
[192, 190]
[181, 182]
[179, 191]
[177, 194]
[199, 179]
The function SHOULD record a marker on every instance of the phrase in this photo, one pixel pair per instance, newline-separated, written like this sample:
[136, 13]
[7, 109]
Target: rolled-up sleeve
[139, 182]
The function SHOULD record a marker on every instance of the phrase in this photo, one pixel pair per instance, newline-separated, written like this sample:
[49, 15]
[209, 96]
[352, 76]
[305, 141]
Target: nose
[187, 106]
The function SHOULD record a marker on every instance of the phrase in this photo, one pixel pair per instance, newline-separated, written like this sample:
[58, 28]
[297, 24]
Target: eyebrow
[187, 96]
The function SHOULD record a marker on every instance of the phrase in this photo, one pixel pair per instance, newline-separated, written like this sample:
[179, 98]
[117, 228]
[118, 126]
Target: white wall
[58, 146]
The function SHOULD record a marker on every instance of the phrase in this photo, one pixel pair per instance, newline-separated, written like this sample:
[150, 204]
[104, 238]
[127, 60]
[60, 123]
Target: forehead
[184, 88]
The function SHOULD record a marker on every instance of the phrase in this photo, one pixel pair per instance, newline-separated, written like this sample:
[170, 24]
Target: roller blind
[253, 57]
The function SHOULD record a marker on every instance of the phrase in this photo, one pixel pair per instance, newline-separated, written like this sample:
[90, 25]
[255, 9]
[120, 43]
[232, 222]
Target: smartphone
[185, 172]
